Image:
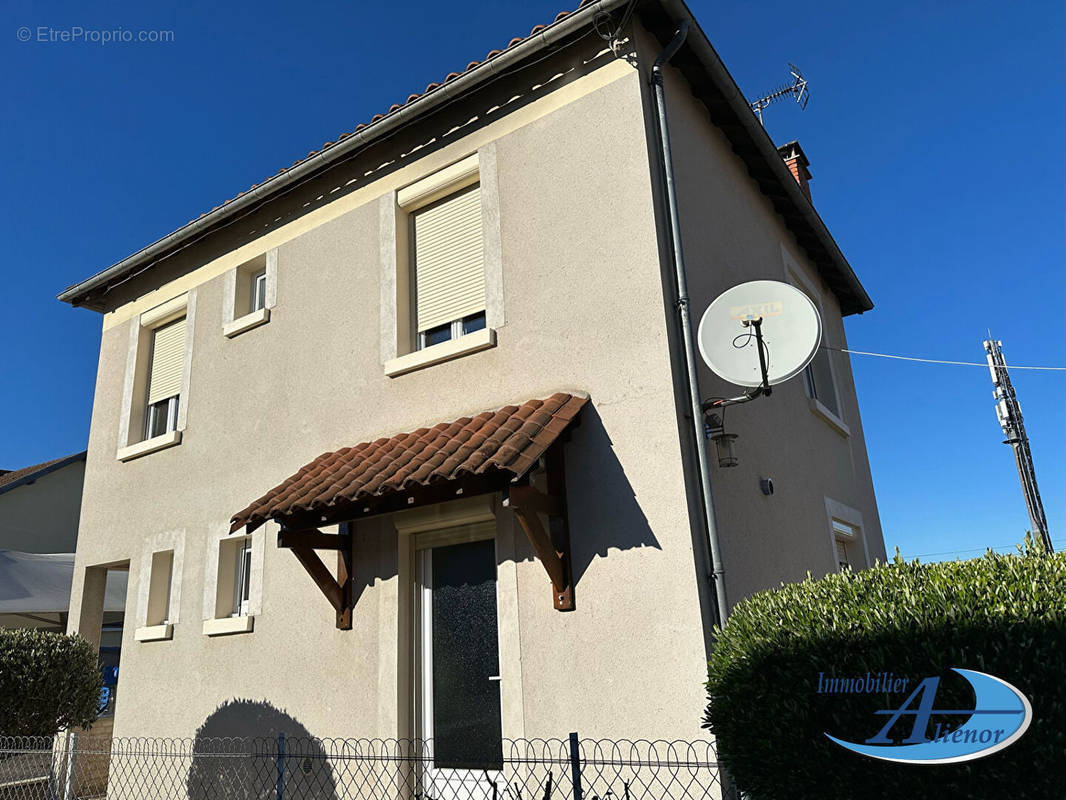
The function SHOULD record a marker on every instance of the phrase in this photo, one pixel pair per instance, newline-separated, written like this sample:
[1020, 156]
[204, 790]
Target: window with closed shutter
[168, 361]
[449, 268]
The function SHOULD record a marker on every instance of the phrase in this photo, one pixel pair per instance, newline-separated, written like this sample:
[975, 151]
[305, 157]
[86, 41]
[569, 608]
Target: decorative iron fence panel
[87, 767]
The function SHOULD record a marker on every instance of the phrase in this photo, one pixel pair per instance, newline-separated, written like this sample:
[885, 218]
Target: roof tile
[508, 440]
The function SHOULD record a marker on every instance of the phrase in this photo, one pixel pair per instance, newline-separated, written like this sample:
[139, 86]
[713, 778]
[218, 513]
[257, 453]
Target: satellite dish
[791, 331]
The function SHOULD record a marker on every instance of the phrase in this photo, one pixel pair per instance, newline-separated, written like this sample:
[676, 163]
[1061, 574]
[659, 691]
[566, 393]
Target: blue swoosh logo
[992, 696]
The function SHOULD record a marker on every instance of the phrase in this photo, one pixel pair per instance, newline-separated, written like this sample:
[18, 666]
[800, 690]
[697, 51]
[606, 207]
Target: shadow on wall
[252, 728]
[603, 510]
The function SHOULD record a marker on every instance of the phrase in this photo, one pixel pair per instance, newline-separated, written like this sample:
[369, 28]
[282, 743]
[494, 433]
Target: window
[242, 578]
[249, 294]
[167, 364]
[848, 545]
[449, 271]
[259, 289]
[819, 379]
[232, 592]
[162, 576]
[818, 375]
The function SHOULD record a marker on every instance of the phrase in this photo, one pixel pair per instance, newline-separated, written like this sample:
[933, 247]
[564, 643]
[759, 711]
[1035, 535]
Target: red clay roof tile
[507, 441]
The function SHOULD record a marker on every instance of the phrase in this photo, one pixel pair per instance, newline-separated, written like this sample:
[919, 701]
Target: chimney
[796, 160]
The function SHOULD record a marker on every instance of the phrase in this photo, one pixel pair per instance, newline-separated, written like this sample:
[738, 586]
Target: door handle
[495, 678]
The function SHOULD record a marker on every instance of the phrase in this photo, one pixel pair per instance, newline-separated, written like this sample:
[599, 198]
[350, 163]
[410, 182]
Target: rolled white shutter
[449, 260]
[168, 361]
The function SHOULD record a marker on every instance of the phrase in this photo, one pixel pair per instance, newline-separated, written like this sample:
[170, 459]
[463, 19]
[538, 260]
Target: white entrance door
[458, 690]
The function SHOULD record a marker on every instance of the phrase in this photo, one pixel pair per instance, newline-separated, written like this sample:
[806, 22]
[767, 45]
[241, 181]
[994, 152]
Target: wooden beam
[344, 578]
[320, 575]
[542, 545]
[312, 538]
[529, 498]
[559, 524]
[552, 546]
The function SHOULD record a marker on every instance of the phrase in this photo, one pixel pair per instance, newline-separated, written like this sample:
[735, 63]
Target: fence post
[68, 778]
[575, 765]
[280, 794]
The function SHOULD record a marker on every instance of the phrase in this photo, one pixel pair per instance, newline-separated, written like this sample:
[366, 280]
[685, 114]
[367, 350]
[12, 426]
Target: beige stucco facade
[574, 248]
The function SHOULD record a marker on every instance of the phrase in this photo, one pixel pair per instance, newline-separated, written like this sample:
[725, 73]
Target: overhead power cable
[939, 361]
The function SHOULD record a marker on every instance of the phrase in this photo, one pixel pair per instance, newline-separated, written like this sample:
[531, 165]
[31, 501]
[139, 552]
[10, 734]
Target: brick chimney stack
[796, 160]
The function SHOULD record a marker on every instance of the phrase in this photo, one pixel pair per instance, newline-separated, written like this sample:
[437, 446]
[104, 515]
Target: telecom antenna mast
[797, 89]
[1010, 420]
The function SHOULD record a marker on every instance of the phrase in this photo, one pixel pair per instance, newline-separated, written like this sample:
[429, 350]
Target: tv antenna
[757, 334]
[796, 89]
[1009, 413]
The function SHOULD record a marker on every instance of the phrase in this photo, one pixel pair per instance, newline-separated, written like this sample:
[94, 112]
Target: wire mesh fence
[85, 767]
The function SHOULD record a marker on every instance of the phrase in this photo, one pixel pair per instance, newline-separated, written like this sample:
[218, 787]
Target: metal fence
[80, 767]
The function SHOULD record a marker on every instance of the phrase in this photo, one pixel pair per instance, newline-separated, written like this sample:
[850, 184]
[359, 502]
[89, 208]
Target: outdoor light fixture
[723, 441]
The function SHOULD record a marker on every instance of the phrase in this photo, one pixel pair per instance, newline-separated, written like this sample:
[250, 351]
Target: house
[397, 442]
[39, 508]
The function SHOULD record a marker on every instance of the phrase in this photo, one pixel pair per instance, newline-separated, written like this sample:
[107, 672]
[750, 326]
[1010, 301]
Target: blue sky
[935, 135]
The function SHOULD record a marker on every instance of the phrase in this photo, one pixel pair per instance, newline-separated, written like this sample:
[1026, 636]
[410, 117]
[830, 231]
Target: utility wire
[976, 549]
[937, 360]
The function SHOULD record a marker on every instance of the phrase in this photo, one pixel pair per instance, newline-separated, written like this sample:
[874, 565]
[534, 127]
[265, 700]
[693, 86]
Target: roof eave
[745, 134]
[80, 293]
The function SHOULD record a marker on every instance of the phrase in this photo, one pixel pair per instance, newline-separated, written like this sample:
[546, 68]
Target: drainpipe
[685, 319]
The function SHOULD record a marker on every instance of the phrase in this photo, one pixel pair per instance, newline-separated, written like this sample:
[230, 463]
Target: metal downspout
[685, 318]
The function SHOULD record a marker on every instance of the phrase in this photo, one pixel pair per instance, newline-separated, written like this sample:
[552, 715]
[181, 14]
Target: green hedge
[48, 681]
[1001, 614]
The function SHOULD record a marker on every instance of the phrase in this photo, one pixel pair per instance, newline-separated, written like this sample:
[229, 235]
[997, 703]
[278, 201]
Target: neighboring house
[39, 506]
[39, 510]
[467, 306]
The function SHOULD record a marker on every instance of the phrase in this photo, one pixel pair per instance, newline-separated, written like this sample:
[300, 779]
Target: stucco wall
[583, 312]
[42, 517]
[732, 234]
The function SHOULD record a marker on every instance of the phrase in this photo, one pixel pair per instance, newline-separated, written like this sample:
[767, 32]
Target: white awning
[39, 583]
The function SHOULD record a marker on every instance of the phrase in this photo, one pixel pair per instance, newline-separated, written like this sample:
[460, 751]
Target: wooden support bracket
[552, 546]
[337, 590]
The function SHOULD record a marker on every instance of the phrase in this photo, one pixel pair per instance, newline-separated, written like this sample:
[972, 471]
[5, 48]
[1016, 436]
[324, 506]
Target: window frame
[796, 277]
[402, 349]
[161, 551]
[845, 523]
[233, 580]
[135, 414]
[245, 283]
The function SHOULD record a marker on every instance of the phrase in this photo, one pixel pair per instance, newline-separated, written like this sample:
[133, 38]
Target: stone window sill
[246, 323]
[149, 446]
[154, 633]
[228, 625]
[438, 353]
[834, 422]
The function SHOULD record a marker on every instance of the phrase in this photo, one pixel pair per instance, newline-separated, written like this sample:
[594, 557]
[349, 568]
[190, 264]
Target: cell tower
[797, 89]
[1010, 420]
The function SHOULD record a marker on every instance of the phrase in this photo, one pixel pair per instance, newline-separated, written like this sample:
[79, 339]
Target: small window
[159, 612]
[848, 546]
[258, 291]
[819, 379]
[242, 578]
[166, 369]
[233, 587]
[449, 270]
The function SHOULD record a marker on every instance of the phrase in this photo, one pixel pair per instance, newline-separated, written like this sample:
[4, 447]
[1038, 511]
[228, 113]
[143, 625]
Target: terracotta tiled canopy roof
[505, 444]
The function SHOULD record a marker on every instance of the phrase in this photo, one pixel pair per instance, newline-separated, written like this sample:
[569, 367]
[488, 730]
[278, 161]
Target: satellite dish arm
[763, 390]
